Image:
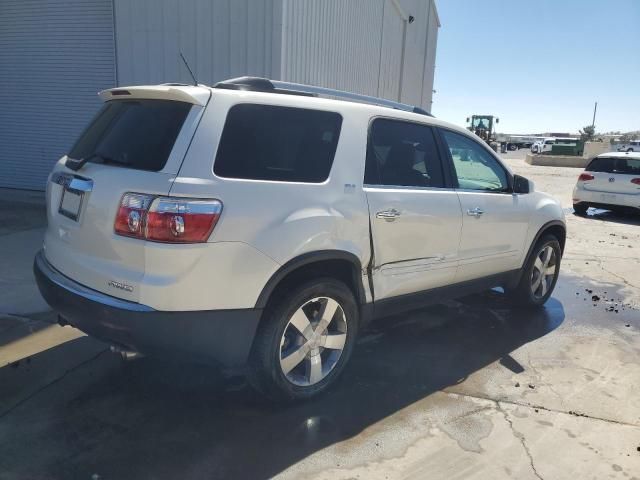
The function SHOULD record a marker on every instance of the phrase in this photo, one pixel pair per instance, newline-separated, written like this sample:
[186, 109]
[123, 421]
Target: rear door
[494, 220]
[612, 176]
[414, 213]
[132, 145]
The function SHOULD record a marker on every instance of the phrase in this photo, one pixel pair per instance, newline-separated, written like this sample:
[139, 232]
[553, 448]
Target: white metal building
[55, 55]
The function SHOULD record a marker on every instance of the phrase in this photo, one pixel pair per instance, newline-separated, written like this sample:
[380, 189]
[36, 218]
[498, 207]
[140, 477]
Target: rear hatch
[136, 143]
[613, 175]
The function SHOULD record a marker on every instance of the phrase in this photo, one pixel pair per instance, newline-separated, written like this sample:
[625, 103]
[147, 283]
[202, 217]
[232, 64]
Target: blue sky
[539, 65]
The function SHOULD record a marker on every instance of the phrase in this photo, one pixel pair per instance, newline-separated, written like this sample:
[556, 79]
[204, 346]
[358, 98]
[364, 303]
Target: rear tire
[537, 283]
[580, 208]
[291, 358]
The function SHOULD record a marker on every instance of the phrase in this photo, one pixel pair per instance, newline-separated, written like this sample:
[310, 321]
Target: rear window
[265, 142]
[629, 166]
[135, 134]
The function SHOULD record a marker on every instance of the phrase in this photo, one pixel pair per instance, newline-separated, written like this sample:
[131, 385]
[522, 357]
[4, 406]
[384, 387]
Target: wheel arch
[334, 263]
[556, 228]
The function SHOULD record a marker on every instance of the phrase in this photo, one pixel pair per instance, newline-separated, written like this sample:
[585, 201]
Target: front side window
[476, 169]
[136, 134]
[266, 142]
[402, 154]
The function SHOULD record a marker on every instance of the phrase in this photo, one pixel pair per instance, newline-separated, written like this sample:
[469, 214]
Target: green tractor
[483, 126]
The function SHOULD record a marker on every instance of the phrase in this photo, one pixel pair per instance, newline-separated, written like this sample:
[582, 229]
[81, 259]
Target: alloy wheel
[544, 271]
[313, 341]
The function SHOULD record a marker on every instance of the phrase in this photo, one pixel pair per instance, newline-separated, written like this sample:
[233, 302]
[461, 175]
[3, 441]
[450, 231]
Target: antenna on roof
[195, 82]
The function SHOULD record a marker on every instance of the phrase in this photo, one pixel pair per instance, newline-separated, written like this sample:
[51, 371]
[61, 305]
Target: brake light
[585, 176]
[167, 219]
[635, 181]
[131, 214]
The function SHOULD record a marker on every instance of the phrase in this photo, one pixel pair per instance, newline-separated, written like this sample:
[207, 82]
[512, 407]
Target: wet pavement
[469, 389]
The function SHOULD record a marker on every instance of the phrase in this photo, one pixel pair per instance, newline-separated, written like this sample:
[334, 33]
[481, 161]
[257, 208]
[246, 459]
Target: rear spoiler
[198, 95]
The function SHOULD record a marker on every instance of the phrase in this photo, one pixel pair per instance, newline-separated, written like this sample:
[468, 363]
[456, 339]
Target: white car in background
[632, 146]
[542, 145]
[611, 181]
[547, 144]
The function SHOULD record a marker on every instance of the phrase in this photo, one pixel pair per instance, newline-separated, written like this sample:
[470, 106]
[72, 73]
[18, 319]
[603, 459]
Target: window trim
[263, 180]
[509, 176]
[446, 174]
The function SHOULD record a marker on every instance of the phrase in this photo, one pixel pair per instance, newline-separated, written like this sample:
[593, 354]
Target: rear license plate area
[608, 198]
[71, 203]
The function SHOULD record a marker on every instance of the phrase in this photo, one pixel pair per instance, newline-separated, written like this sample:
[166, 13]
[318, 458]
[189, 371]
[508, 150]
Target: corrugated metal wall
[357, 46]
[220, 39]
[430, 58]
[352, 45]
[330, 43]
[55, 55]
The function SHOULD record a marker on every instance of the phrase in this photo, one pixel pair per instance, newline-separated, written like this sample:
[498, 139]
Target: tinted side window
[133, 133]
[265, 142]
[402, 154]
[476, 168]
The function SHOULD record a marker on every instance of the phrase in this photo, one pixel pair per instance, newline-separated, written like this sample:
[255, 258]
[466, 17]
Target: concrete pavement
[23, 219]
[468, 389]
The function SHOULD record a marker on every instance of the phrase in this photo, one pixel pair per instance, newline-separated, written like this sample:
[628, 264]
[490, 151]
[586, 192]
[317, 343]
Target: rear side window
[135, 134]
[265, 142]
[629, 166]
[402, 154]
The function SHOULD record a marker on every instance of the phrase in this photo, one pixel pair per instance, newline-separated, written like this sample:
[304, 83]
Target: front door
[494, 220]
[415, 217]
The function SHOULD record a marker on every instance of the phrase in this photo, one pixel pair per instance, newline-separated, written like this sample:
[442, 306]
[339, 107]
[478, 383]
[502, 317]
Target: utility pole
[593, 122]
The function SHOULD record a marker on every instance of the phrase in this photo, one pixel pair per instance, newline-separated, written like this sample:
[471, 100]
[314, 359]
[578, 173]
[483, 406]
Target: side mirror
[467, 119]
[521, 184]
[497, 120]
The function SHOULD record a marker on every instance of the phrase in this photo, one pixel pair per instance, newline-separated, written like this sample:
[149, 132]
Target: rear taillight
[132, 214]
[167, 219]
[635, 181]
[585, 176]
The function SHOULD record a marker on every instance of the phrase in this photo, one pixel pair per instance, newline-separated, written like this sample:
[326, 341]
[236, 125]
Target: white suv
[261, 226]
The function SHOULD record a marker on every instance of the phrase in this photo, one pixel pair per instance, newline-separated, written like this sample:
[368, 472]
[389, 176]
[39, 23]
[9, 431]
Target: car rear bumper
[222, 336]
[596, 198]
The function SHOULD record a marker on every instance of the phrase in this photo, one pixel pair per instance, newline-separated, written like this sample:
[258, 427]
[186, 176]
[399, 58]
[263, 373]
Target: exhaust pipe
[126, 355]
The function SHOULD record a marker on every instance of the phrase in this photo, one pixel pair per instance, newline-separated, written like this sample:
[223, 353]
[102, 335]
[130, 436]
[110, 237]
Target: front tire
[304, 340]
[540, 274]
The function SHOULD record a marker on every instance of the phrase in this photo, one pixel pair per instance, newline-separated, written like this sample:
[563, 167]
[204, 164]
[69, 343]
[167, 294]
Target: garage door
[55, 55]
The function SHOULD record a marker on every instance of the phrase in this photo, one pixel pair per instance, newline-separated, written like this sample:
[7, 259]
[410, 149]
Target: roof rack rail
[258, 84]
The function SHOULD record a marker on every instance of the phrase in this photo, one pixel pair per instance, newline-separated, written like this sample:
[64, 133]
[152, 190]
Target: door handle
[475, 212]
[388, 215]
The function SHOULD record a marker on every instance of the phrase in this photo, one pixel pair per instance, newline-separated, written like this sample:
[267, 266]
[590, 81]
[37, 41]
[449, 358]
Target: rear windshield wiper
[76, 165]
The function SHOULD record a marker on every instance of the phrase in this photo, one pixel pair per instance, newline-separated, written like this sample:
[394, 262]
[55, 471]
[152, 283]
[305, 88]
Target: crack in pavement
[540, 382]
[624, 280]
[572, 413]
[520, 437]
[53, 382]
